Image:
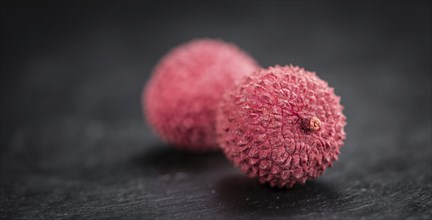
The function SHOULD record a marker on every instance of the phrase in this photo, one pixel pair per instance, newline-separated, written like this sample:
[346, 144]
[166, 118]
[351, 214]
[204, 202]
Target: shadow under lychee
[240, 194]
[166, 159]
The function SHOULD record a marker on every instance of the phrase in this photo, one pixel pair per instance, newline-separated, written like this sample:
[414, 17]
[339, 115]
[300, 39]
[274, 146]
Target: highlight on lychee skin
[282, 125]
[180, 100]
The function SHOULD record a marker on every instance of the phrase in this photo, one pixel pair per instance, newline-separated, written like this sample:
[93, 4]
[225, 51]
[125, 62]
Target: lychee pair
[282, 125]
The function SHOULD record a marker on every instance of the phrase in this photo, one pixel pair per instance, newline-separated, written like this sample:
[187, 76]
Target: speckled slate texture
[74, 145]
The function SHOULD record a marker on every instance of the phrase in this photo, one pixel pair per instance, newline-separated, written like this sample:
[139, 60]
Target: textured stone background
[74, 144]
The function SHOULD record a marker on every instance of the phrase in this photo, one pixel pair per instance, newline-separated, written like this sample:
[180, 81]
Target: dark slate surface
[74, 144]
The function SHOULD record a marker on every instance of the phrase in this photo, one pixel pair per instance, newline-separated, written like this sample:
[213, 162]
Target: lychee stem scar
[311, 124]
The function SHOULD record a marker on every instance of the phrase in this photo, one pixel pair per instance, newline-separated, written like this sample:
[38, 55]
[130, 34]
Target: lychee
[282, 125]
[181, 98]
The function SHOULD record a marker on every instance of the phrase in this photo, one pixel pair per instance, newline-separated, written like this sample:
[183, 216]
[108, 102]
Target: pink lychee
[282, 125]
[181, 98]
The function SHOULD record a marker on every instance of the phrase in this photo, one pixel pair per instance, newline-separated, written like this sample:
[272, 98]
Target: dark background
[74, 142]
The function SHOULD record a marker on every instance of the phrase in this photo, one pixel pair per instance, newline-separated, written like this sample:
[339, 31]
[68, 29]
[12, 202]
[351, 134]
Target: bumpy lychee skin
[282, 125]
[180, 100]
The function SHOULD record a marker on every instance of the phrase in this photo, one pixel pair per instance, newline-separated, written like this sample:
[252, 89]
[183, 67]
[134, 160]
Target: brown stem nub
[311, 124]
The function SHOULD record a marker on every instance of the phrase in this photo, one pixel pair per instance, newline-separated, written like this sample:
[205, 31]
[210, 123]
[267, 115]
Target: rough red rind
[260, 126]
[181, 98]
